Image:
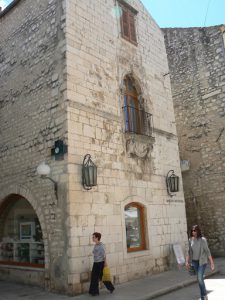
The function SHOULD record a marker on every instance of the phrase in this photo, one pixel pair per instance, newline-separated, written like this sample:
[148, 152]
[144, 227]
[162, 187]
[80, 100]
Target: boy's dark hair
[197, 229]
[97, 235]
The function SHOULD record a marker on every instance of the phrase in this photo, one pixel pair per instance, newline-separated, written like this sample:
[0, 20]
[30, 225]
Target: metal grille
[138, 121]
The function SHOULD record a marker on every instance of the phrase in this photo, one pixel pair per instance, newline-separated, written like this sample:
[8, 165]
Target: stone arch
[137, 82]
[25, 193]
[14, 192]
[133, 198]
[145, 98]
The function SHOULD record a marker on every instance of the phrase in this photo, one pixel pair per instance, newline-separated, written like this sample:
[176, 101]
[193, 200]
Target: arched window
[135, 231]
[136, 119]
[21, 241]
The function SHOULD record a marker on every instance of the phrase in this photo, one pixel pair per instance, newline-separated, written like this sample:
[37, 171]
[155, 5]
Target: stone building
[196, 59]
[80, 77]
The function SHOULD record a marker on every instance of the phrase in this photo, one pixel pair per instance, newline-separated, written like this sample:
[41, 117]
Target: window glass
[132, 114]
[131, 87]
[134, 227]
[21, 241]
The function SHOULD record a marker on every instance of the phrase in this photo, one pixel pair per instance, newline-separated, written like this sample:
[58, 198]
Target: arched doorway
[21, 241]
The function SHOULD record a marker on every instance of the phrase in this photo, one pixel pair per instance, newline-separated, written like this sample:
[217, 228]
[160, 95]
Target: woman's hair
[97, 235]
[197, 229]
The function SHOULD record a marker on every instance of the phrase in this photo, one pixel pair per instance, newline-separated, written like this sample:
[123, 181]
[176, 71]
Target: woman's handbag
[191, 270]
[106, 274]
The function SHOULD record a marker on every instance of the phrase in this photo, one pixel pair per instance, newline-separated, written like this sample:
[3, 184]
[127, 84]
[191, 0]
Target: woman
[198, 256]
[98, 265]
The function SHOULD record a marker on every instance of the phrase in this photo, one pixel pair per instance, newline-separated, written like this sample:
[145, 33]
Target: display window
[135, 229]
[21, 241]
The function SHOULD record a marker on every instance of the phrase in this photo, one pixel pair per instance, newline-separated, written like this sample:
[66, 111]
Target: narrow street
[215, 286]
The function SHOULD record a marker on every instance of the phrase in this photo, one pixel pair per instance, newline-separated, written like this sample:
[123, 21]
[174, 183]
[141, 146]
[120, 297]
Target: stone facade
[196, 59]
[62, 66]
[32, 116]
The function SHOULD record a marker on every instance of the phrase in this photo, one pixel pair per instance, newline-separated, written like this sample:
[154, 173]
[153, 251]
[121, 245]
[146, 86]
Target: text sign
[179, 254]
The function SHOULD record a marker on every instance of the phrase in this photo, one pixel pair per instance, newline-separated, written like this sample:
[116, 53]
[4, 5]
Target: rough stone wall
[197, 69]
[97, 61]
[32, 117]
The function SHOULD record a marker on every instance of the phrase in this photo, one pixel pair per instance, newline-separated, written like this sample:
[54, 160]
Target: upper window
[136, 119]
[135, 232]
[127, 22]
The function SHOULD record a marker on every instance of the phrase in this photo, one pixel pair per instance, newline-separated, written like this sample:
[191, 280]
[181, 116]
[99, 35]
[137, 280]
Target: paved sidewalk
[153, 286]
[149, 287]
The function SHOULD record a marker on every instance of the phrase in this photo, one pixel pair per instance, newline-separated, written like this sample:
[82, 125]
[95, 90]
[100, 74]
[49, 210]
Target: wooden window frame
[134, 96]
[128, 22]
[142, 227]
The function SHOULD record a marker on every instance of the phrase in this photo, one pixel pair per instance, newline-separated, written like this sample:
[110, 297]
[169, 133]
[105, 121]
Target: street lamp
[172, 183]
[44, 170]
[89, 173]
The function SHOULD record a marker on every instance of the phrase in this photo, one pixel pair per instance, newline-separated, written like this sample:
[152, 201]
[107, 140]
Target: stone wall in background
[197, 70]
[32, 117]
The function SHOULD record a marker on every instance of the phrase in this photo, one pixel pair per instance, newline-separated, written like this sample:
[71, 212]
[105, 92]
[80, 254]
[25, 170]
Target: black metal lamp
[172, 183]
[89, 173]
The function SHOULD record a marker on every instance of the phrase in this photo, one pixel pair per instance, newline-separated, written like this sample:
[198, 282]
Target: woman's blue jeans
[200, 270]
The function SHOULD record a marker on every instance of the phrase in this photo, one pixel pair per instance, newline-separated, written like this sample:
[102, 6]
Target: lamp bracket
[54, 182]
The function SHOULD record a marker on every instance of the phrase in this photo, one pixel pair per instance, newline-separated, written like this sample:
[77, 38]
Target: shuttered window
[127, 21]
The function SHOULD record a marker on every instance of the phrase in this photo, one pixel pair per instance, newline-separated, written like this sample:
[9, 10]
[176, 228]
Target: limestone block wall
[98, 58]
[197, 69]
[32, 118]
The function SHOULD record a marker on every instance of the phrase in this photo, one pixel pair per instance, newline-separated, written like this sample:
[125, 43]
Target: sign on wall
[179, 254]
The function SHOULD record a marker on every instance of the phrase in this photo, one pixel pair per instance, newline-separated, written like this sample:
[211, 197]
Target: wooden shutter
[125, 23]
[132, 28]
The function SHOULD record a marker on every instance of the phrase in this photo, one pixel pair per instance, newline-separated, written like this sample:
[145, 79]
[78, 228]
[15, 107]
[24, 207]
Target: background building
[197, 69]
[82, 77]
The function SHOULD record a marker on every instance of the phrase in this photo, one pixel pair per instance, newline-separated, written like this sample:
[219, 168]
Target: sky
[186, 13]
[4, 3]
[180, 13]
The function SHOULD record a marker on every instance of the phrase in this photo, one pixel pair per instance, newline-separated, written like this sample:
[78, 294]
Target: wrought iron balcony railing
[138, 121]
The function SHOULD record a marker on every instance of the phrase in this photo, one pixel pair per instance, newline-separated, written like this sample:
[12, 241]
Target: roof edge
[194, 27]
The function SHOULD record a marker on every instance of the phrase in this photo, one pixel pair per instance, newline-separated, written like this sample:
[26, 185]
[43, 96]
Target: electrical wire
[207, 10]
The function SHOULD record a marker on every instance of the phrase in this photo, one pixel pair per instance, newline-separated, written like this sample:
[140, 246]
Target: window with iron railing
[137, 121]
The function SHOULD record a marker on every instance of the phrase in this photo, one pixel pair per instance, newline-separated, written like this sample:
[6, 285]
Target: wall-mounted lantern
[89, 173]
[172, 183]
[44, 170]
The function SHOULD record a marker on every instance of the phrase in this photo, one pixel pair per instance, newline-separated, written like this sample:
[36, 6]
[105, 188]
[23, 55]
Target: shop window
[21, 240]
[127, 22]
[137, 120]
[135, 231]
